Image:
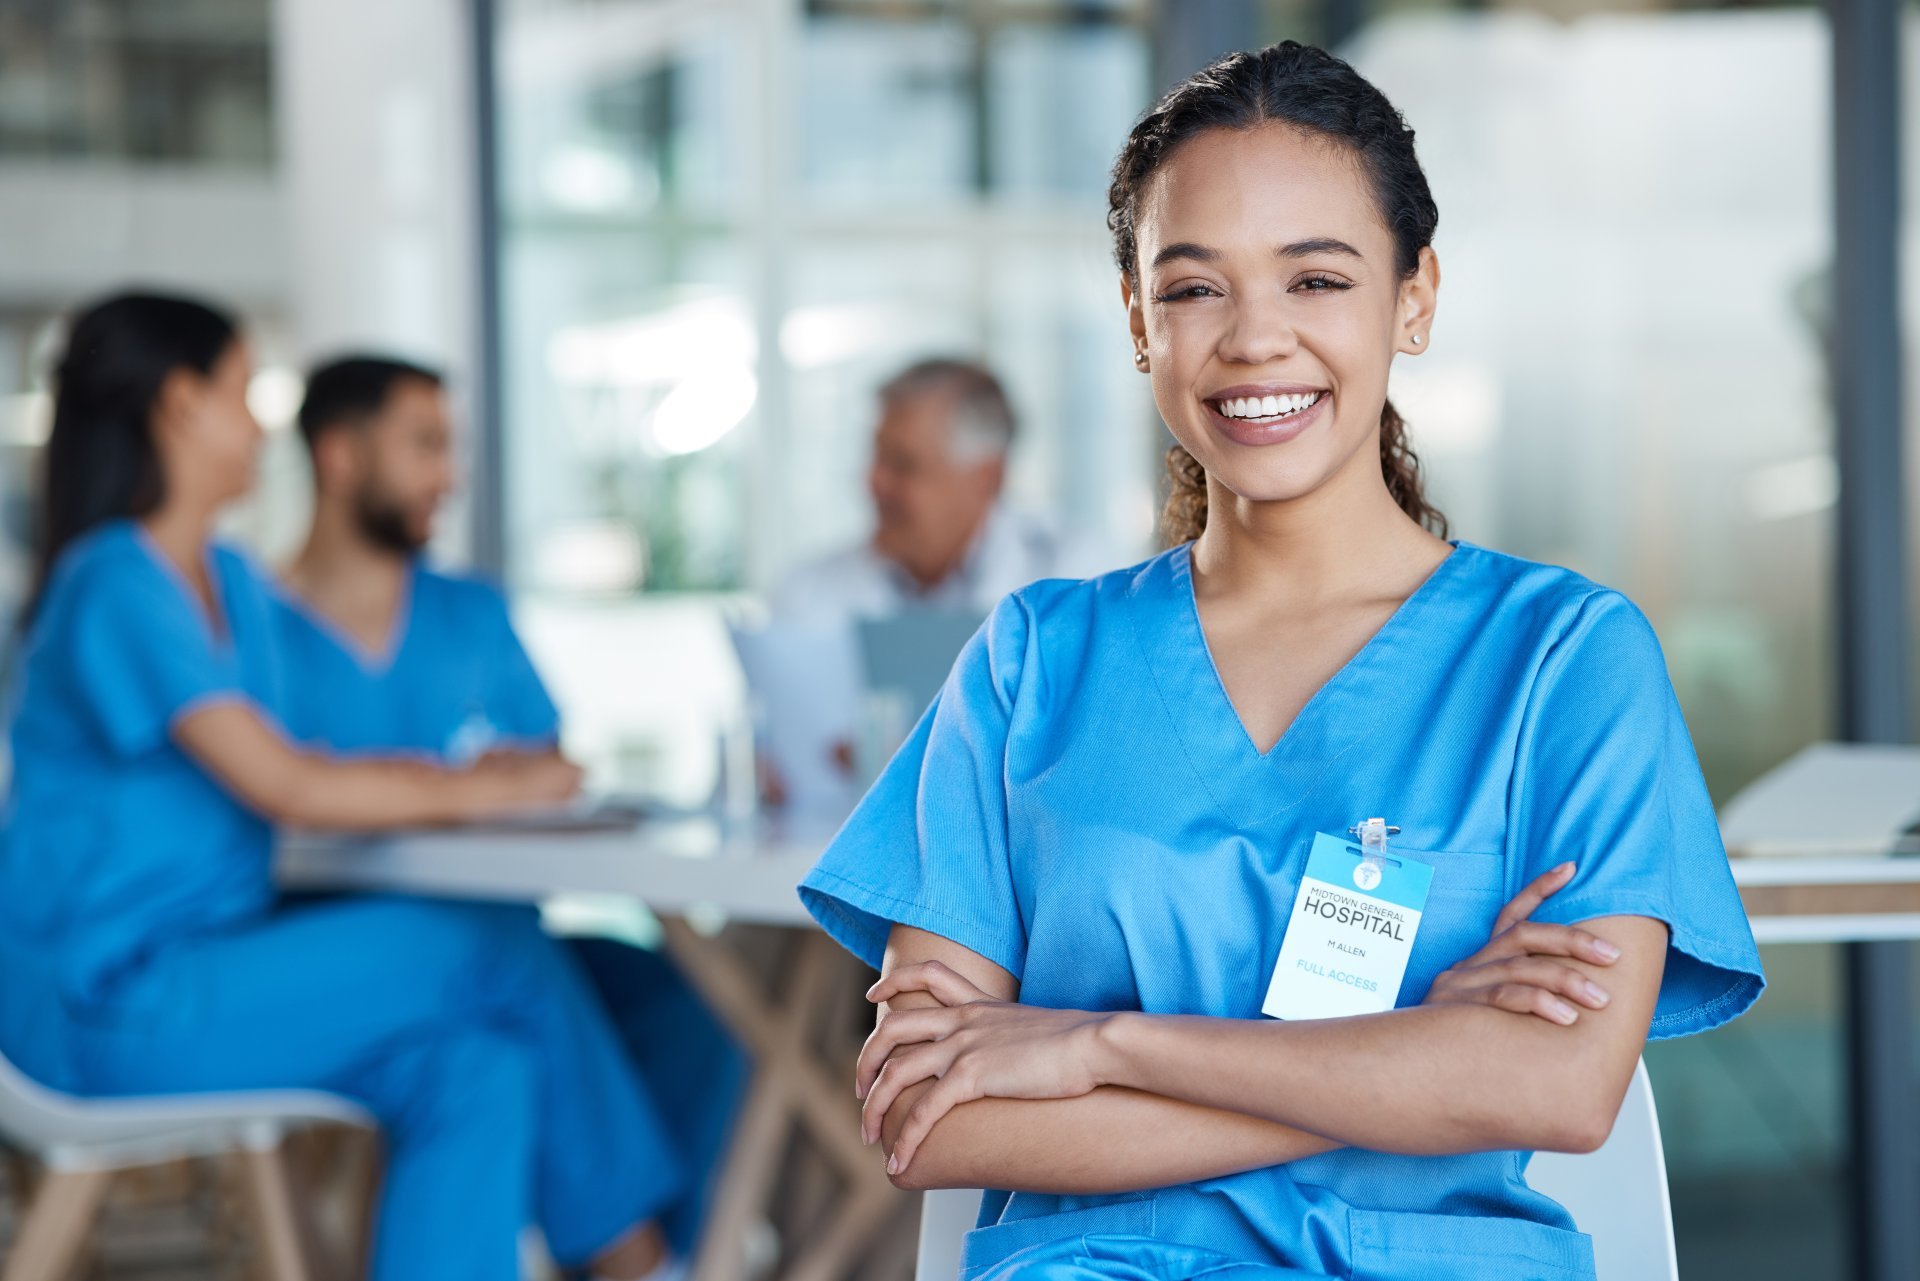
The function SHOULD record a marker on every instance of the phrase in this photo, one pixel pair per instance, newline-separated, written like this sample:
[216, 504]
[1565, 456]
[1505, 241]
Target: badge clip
[1372, 835]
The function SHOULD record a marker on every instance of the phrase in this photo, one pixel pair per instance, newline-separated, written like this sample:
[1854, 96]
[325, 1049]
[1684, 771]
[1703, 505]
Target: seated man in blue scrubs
[386, 654]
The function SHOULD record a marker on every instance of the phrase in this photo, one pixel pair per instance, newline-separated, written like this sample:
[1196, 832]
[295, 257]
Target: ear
[1136, 320]
[336, 460]
[994, 470]
[1419, 295]
[175, 402]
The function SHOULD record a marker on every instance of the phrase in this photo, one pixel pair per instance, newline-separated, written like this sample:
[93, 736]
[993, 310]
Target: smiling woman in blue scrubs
[1083, 874]
[143, 952]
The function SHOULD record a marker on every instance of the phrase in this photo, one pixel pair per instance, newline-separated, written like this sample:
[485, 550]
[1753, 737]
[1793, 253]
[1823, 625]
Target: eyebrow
[1186, 249]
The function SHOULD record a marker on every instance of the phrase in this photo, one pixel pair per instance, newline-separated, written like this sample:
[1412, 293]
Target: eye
[1187, 291]
[1321, 284]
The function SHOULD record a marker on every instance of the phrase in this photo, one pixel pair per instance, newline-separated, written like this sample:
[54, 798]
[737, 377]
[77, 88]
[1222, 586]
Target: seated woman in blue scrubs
[143, 949]
[1084, 872]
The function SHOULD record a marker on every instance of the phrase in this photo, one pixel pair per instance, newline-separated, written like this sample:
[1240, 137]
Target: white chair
[83, 1142]
[1618, 1196]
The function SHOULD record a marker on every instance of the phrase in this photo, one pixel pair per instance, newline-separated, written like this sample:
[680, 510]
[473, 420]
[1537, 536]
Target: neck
[1346, 536]
[338, 566]
[934, 566]
[181, 527]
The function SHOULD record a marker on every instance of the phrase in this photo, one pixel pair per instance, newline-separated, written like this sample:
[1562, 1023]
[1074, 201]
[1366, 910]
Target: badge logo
[1366, 874]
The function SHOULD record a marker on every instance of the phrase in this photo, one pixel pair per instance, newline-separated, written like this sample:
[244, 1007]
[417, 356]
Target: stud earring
[1416, 340]
[1140, 359]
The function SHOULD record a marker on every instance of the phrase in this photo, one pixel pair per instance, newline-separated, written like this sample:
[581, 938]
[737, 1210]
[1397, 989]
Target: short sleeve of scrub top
[946, 868]
[139, 655]
[1613, 786]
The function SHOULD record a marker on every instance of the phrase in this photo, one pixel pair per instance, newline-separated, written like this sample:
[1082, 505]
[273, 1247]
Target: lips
[1266, 414]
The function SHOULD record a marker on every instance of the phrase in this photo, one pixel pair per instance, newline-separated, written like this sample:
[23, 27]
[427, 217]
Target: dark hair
[348, 391]
[101, 463]
[1311, 90]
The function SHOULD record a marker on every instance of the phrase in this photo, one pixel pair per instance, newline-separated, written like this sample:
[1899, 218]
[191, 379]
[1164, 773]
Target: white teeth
[1256, 407]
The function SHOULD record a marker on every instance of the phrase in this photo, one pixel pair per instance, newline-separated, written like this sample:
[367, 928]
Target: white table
[1843, 899]
[683, 870]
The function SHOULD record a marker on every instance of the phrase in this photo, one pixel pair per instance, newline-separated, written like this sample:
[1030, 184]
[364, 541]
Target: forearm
[1112, 1140]
[373, 795]
[1430, 1080]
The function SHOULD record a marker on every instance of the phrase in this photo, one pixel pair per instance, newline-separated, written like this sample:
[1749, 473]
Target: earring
[1140, 359]
[1416, 340]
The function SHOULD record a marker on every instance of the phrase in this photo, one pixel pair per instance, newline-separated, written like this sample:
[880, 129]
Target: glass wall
[722, 227]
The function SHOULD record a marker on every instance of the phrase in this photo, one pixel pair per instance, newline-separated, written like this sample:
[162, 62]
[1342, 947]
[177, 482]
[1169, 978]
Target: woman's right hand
[507, 781]
[1517, 970]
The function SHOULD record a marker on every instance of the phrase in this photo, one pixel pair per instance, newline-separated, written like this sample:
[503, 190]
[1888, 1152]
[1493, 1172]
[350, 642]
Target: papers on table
[807, 690]
[1833, 798]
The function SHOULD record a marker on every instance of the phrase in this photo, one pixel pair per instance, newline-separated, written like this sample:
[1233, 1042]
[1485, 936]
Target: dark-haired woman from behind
[141, 948]
[1183, 891]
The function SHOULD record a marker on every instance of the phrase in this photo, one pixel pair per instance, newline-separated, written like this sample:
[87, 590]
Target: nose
[1259, 331]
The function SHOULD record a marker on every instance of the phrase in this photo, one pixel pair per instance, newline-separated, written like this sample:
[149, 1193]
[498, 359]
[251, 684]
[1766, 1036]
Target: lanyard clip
[1372, 835]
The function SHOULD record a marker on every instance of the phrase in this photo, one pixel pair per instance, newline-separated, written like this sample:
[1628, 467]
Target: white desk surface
[671, 865]
[675, 866]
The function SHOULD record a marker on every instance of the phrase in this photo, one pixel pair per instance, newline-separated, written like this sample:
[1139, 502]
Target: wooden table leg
[791, 1086]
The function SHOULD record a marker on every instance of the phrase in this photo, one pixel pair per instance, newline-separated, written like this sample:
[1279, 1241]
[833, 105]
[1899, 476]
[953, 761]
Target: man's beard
[385, 524]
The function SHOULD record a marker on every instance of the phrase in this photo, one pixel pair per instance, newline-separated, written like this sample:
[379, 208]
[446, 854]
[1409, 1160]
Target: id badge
[1350, 934]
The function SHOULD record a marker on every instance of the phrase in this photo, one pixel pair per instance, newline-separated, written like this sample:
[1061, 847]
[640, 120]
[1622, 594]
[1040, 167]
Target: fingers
[895, 1029]
[909, 1067]
[1535, 938]
[1519, 998]
[1537, 891]
[945, 984]
[1523, 985]
[948, 1093]
[1551, 977]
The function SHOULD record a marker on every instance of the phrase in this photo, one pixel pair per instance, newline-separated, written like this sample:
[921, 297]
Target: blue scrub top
[454, 683]
[1083, 807]
[113, 841]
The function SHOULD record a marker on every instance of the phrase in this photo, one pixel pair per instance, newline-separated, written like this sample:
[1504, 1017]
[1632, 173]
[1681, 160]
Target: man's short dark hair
[348, 391]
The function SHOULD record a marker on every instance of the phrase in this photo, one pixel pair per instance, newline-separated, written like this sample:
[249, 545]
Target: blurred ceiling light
[647, 351]
[26, 418]
[591, 180]
[273, 394]
[704, 408]
[1797, 487]
[1449, 408]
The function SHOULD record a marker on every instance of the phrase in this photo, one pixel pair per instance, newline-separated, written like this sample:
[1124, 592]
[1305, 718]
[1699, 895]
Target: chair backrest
[1618, 1195]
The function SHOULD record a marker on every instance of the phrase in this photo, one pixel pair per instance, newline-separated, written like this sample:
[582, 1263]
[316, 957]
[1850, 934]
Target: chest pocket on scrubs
[1467, 893]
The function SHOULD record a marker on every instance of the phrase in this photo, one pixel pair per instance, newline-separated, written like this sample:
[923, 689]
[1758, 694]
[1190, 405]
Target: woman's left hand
[972, 1046]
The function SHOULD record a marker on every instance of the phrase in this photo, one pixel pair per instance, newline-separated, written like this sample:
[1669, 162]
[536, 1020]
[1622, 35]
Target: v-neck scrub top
[454, 681]
[1083, 807]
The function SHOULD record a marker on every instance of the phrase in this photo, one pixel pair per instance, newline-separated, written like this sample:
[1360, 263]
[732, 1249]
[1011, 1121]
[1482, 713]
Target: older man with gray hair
[942, 539]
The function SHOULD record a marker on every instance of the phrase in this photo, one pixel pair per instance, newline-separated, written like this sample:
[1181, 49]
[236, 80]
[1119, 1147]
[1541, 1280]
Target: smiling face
[1269, 307]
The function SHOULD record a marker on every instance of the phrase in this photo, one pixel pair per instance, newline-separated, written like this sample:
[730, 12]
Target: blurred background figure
[879, 623]
[942, 537]
[389, 655]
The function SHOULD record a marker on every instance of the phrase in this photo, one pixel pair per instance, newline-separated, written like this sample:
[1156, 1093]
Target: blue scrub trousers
[504, 1094]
